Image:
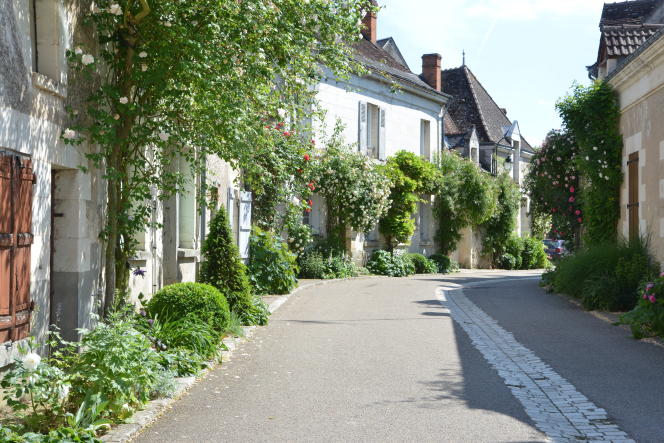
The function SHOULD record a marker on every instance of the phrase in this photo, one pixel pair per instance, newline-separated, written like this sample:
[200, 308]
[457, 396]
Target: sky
[526, 53]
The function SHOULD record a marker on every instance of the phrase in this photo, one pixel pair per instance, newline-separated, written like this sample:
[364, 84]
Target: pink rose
[578, 212]
[571, 189]
[653, 299]
[649, 286]
[571, 199]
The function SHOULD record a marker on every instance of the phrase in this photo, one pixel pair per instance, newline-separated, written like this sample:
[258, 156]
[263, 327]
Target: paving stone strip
[554, 404]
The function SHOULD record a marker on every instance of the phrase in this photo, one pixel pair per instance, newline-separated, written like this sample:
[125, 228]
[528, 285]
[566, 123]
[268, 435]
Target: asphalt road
[382, 360]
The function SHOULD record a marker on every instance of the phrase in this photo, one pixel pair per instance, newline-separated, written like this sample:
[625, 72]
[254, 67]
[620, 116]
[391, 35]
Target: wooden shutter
[633, 194]
[381, 135]
[16, 183]
[231, 213]
[362, 125]
[245, 224]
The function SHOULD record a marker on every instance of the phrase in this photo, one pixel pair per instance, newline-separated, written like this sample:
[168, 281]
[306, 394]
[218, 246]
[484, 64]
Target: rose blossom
[87, 59]
[31, 361]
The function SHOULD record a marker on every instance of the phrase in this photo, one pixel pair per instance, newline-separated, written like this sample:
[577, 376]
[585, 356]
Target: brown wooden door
[633, 194]
[16, 186]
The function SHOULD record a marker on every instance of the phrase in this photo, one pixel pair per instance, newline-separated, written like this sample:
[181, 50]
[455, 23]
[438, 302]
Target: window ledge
[188, 253]
[141, 256]
[47, 84]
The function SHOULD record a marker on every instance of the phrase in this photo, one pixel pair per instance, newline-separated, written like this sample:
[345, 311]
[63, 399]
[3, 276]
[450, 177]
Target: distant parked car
[554, 249]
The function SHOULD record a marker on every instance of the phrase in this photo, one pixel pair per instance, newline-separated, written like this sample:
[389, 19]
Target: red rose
[571, 189]
[580, 220]
[307, 210]
[306, 157]
[287, 134]
[311, 203]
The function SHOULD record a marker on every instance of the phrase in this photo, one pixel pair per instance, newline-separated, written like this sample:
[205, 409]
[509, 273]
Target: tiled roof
[628, 12]
[380, 61]
[627, 60]
[390, 46]
[450, 126]
[623, 40]
[472, 105]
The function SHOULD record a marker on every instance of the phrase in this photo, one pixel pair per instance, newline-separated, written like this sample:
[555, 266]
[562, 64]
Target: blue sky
[526, 53]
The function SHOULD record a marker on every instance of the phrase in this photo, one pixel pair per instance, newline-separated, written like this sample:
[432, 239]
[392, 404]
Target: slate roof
[390, 46]
[380, 61]
[628, 12]
[473, 105]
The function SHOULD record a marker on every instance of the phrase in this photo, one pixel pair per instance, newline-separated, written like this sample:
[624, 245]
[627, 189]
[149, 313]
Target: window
[425, 139]
[372, 130]
[45, 32]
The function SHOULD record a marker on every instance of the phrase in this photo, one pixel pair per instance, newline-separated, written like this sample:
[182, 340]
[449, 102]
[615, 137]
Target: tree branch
[144, 13]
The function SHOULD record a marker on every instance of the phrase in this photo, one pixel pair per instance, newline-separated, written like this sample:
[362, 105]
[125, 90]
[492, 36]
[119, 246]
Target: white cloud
[530, 9]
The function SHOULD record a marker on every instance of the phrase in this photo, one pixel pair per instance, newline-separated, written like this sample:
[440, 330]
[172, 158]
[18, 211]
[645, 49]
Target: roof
[450, 126]
[380, 61]
[628, 12]
[627, 60]
[473, 105]
[390, 46]
[623, 40]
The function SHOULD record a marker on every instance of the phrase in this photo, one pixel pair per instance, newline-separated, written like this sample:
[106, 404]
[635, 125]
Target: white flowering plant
[356, 192]
[36, 391]
[175, 80]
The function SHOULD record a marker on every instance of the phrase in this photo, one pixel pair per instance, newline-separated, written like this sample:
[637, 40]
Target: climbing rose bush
[647, 318]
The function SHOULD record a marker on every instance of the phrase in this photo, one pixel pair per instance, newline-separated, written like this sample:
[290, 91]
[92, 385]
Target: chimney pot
[431, 71]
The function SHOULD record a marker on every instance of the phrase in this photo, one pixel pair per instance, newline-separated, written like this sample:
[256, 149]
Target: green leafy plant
[422, 264]
[465, 196]
[390, 264]
[445, 264]
[272, 267]
[514, 246]
[498, 229]
[592, 115]
[223, 269]
[180, 300]
[410, 176]
[182, 361]
[323, 261]
[533, 255]
[355, 190]
[647, 318]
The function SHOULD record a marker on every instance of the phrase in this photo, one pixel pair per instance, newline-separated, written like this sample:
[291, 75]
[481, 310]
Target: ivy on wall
[591, 115]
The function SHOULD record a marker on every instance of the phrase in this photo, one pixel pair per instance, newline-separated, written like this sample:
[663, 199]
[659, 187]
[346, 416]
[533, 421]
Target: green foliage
[554, 185]
[465, 196]
[170, 75]
[164, 385]
[507, 261]
[514, 247]
[181, 361]
[540, 223]
[390, 264]
[299, 234]
[118, 364]
[272, 267]
[188, 333]
[533, 255]
[605, 276]
[592, 115]
[180, 300]
[422, 264]
[410, 177]
[445, 264]
[223, 269]
[499, 227]
[322, 262]
[647, 318]
[59, 435]
[356, 192]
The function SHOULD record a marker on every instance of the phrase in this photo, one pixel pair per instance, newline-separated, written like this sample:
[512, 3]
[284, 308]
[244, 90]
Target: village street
[404, 360]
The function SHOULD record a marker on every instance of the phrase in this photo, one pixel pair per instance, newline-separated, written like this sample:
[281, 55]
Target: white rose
[87, 59]
[31, 361]
[115, 9]
[63, 391]
[144, 67]
[167, 24]
[69, 134]
[78, 51]
[164, 136]
[124, 100]
[142, 54]
[116, 117]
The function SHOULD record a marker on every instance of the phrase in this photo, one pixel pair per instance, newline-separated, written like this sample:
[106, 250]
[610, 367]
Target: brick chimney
[369, 26]
[431, 70]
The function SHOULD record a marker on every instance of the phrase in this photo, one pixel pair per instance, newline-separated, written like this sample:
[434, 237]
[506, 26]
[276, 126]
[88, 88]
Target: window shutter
[362, 125]
[231, 213]
[245, 224]
[381, 135]
[16, 183]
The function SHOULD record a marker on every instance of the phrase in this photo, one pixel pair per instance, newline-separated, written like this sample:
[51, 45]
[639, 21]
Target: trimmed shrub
[392, 265]
[223, 269]
[507, 261]
[514, 247]
[445, 264]
[422, 264]
[533, 255]
[175, 302]
[272, 267]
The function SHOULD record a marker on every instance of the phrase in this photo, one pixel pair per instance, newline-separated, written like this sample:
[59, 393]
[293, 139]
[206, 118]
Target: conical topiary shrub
[223, 269]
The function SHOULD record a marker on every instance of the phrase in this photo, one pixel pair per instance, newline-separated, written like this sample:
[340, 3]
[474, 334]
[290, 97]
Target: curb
[125, 432]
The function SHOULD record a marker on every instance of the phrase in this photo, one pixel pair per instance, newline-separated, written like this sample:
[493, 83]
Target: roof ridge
[467, 72]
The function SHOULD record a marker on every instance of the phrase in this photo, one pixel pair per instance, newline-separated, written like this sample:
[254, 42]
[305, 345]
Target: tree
[184, 79]
[501, 225]
[411, 176]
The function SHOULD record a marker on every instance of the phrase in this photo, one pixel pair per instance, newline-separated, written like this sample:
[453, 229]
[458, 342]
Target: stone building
[388, 110]
[634, 65]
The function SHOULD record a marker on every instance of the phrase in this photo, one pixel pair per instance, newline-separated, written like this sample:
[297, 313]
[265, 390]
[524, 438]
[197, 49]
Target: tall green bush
[465, 196]
[410, 176]
[223, 269]
[390, 264]
[533, 255]
[499, 227]
[272, 267]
